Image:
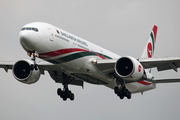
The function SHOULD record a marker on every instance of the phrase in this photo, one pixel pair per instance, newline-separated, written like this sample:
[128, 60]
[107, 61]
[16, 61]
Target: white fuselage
[73, 55]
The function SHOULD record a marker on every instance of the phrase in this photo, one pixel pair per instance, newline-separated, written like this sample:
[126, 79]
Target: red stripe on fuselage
[60, 52]
[65, 51]
[144, 83]
[100, 56]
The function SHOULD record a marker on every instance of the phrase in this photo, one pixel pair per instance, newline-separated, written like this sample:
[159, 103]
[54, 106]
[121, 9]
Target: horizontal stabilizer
[173, 80]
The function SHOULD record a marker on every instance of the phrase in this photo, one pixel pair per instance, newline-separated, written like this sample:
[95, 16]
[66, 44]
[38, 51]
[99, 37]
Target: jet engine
[24, 72]
[128, 68]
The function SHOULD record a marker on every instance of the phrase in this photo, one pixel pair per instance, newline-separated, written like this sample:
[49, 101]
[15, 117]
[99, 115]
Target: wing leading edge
[167, 63]
[161, 63]
[54, 71]
[8, 65]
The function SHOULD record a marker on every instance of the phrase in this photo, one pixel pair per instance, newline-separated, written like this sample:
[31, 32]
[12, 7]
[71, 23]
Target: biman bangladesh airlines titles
[71, 60]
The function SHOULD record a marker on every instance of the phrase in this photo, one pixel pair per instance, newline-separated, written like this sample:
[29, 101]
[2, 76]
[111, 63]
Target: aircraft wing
[54, 71]
[42, 66]
[6, 65]
[107, 65]
[161, 63]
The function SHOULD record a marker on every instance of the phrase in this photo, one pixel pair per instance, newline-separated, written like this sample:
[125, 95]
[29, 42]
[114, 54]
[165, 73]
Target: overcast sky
[121, 26]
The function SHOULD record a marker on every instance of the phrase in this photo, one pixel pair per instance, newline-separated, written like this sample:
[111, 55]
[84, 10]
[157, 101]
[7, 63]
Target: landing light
[94, 61]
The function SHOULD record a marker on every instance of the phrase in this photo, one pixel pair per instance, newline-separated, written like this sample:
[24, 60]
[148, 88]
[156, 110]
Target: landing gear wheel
[65, 94]
[128, 95]
[121, 96]
[59, 91]
[65, 98]
[116, 90]
[122, 92]
[72, 97]
[34, 66]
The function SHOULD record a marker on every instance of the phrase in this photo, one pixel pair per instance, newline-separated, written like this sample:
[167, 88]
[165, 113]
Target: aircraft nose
[24, 37]
[27, 40]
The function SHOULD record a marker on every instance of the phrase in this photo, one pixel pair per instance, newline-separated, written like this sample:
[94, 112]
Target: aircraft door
[51, 35]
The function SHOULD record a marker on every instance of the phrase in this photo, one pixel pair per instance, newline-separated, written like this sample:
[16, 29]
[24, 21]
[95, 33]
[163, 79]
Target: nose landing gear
[34, 55]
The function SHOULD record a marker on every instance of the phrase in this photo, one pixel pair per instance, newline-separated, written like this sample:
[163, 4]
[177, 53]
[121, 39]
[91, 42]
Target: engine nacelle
[128, 68]
[23, 72]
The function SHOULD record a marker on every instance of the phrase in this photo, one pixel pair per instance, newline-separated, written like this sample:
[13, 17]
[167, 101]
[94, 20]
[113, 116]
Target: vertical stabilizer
[149, 48]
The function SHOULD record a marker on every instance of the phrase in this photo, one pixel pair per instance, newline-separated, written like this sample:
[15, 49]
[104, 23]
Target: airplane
[71, 60]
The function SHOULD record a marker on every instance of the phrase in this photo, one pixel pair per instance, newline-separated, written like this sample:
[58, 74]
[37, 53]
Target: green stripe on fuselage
[75, 56]
[105, 56]
[71, 57]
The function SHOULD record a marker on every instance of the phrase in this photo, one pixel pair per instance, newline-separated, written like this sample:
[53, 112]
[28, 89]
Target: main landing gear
[65, 93]
[122, 92]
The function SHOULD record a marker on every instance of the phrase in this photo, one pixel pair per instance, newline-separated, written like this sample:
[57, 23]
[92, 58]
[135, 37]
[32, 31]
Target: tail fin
[149, 49]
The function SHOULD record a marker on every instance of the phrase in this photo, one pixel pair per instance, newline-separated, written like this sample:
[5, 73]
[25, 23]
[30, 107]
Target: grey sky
[121, 26]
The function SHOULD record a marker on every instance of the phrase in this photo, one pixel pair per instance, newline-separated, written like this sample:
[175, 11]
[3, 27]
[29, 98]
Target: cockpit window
[29, 28]
[23, 29]
[34, 29]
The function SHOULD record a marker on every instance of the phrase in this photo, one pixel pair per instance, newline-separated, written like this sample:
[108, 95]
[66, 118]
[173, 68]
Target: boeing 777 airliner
[70, 59]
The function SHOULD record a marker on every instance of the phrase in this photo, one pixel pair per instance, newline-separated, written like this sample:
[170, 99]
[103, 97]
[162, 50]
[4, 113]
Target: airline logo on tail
[151, 44]
[149, 49]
